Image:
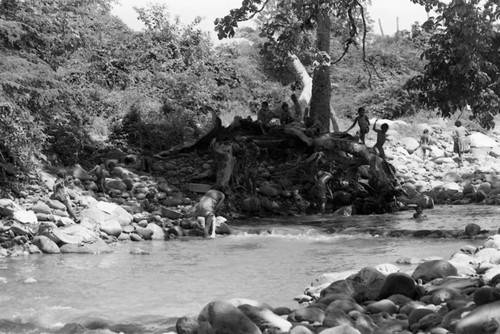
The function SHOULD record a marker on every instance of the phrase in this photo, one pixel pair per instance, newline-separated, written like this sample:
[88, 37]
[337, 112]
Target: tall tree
[290, 21]
[463, 63]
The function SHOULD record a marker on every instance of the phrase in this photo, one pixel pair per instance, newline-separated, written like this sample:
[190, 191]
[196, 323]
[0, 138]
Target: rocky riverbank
[457, 295]
[158, 205]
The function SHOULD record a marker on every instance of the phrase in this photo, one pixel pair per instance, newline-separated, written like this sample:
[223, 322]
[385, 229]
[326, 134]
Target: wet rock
[493, 242]
[346, 306]
[158, 232]
[41, 207]
[264, 318]
[222, 317]
[311, 315]
[398, 283]
[187, 325]
[138, 251]
[335, 317]
[135, 237]
[300, 329]
[482, 319]
[384, 305]
[97, 247]
[46, 245]
[486, 295]
[430, 270]
[472, 229]
[111, 227]
[341, 329]
[145, 233]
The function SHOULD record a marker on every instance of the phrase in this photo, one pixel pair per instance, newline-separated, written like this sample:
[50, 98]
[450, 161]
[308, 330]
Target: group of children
[364, 127]
[460, 133]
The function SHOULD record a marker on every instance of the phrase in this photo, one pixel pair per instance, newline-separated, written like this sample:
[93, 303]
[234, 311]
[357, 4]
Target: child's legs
[362, 134]
[71, 212]
[209, 225]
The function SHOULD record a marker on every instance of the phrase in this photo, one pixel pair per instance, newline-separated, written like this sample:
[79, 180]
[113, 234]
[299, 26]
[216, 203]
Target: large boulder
[482, 319]
[46, 245]
[398, 283]
[222, 317]
[478, 139]
[429, 270]
[102, 211]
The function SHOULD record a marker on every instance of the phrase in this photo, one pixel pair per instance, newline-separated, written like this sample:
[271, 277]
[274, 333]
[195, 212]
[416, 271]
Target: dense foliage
[462, 60]
[73, 76]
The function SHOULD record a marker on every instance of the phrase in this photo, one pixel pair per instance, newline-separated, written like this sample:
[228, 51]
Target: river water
[146, 293]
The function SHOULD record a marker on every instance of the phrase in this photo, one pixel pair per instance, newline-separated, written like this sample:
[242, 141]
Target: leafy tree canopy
[463, 64]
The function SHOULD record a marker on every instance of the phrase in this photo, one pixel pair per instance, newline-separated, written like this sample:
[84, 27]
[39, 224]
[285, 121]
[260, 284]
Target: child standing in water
[207, 207]
[363, 122]
[320, 189]
[381, 138]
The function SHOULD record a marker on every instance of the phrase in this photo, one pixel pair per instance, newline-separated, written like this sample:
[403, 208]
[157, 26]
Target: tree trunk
[321, 94]
[318, 99]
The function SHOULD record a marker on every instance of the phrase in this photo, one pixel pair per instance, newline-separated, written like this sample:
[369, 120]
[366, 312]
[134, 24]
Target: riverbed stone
[398, 283]
[145, 233]
[335, 317]
[111, 227]
[301, 329]
[430, 270]
[264, 318]
[41, 207]
[384, 305]
[46, 245]
[341, 329]
[311, 315]
[493, 242]
[187, 325]
[358, 291]
[472, 229]
[158, 232]
[97, 247]
[482, 319]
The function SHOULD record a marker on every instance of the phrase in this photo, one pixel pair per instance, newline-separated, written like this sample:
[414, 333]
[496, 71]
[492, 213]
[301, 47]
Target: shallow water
[180, 277]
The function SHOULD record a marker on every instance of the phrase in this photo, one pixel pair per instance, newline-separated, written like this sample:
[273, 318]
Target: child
[381, 138]
[251, 155]
[363, 122]
[460, 143]
[419, 213]
[285, 116]
[61, 195]
[320, 189]
[207, 207]
[424, 143]
[100, 173]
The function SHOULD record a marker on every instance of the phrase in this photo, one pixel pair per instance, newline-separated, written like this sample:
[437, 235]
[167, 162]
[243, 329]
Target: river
[146, 293]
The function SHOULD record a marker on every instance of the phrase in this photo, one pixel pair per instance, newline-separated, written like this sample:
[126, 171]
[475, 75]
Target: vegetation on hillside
[73, 77]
